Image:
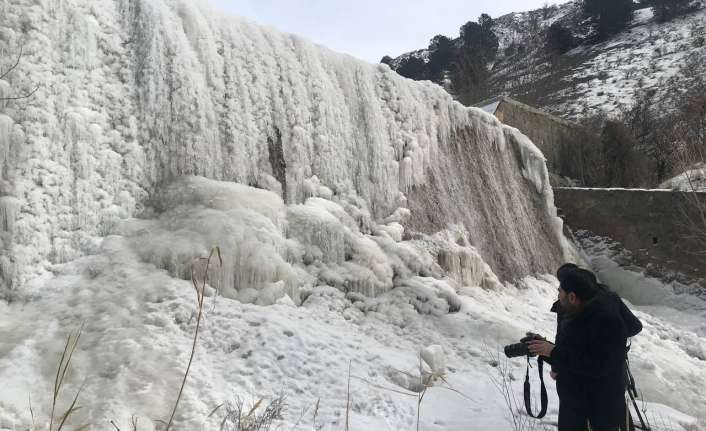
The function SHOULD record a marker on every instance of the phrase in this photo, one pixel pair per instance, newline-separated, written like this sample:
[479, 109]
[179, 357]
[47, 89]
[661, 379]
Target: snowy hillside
[373, 232]
[643, 58]
[590, 79]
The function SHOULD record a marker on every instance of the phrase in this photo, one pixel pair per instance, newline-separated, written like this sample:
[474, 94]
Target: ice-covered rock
[435, 358]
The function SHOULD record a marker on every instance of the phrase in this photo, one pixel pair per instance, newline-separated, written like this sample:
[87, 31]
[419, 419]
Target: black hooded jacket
[589, 357]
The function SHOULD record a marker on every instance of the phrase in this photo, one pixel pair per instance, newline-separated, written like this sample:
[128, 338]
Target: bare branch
[25, 96]
[19, 56]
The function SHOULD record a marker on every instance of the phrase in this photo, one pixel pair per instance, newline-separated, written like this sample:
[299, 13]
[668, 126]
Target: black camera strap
[544, 398]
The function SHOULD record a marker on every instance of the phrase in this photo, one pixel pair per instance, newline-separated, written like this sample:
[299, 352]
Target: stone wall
[571, 150]
[660, 227]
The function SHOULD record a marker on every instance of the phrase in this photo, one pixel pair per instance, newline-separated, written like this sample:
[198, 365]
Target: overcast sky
[369, 29]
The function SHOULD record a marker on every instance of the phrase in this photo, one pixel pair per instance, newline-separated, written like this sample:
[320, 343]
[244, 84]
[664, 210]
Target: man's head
[576, 286]
[573, 268]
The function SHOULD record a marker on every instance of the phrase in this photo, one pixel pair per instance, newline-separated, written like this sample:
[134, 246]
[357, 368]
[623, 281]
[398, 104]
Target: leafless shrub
[502, 380]
[630, 72]
[693, 209]
[660, 423]
[238, 418]
[624, 163]
[425, 381]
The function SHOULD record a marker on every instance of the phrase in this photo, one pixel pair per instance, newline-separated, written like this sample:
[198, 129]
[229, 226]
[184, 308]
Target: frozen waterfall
[362, 217]
[135, 93]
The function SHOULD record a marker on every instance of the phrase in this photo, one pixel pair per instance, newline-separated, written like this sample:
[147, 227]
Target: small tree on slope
[666, 10]
[612, 15]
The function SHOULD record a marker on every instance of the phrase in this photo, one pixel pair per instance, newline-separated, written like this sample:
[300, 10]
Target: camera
[521, 348]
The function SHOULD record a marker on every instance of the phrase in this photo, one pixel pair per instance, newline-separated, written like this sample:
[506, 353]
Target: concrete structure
[661, 228]
[570, 149]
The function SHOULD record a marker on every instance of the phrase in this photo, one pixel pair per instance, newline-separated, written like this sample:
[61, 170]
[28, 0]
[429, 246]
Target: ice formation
[135, 93]
[372, 215]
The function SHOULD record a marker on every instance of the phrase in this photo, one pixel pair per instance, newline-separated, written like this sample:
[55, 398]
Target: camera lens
[517, 349]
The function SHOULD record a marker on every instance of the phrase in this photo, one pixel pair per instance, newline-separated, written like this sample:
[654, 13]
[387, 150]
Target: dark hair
[581, 281]
[565, 267]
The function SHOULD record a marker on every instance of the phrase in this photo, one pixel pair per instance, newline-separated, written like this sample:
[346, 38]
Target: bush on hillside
[479, 49]
[624, 165]
[666, 10]
[479, 38]
[673, 138]
[442, 56]
[612, 15]
[413, 68]
[559, 38]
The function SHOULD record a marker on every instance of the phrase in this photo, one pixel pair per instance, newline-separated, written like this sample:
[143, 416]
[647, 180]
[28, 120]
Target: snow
[434, 357]
[640, 59]
[691, 180]
[139, 320]
[642, 16]
[491, 107]
[155, 136]
[605, 78]
[617, 189]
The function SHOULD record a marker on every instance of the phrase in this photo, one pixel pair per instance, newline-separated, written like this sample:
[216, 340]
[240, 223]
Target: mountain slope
[593, 78]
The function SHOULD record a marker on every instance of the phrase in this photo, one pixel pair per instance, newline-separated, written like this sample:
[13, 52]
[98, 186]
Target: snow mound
[692, 180]
[139, 321]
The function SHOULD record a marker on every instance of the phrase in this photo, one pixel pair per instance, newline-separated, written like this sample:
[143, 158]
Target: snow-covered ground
[138, 316]
[103, 217]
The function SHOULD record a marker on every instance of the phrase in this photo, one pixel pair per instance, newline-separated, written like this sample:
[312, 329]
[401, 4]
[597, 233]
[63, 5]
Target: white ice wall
[135, 92]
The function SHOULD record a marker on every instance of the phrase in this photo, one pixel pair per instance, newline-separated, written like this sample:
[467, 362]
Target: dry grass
[58, 423]
[255, 419]
[314, 416]
[236, 417]
[133, 424]
[348, 398]
[200, 296]
[502, 381]
[428, 379]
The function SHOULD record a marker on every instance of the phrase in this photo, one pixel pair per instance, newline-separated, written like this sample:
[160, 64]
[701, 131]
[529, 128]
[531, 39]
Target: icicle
[7, 272]
[5, 92]
[6, 126]
[406, 174]
[9, 209]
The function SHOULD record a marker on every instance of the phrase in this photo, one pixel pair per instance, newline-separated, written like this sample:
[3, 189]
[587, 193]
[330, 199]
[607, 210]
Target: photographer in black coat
[588, 359]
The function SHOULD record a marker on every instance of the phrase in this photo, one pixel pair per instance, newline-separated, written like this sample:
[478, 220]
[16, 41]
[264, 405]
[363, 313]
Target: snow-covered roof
[490, 105]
